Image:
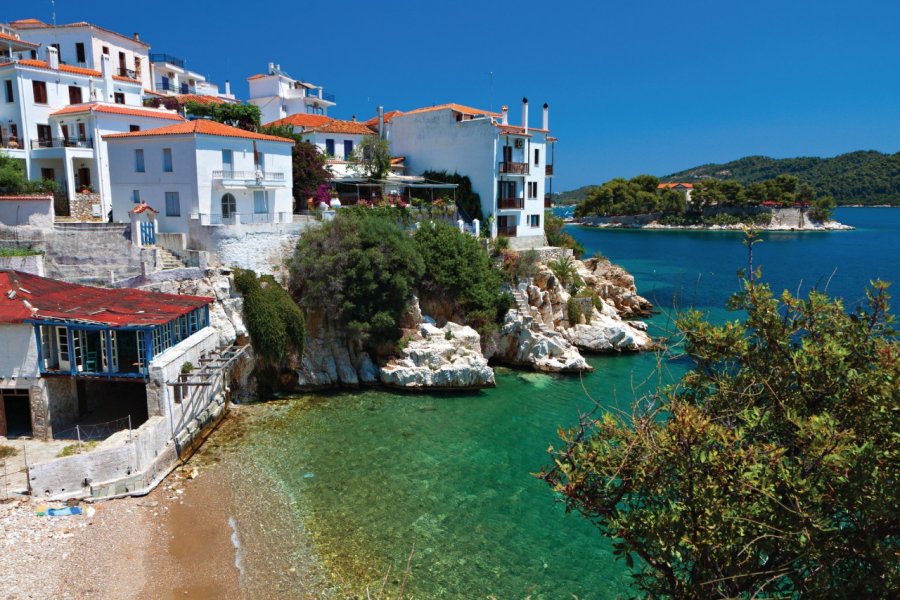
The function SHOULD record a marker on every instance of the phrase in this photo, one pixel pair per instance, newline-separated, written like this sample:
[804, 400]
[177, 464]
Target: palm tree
[566, 272]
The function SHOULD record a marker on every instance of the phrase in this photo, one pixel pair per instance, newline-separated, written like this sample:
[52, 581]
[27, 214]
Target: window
[40, 92]
[139, 161]
[227, 160]
[133, 128]
[79, 53]
[229, 206]
[348, 149]
[260, 161]
[44, 135]
[9, 90]
[119, 98]
[537, 156]
[82, 135]
[74, 94]
[534, 220]
[173, 204]
[329, 147]
[136, 196]
[167, 160]
[137, 66]
[507, 189]
[260, 201]
[106, 50]
[532, 189]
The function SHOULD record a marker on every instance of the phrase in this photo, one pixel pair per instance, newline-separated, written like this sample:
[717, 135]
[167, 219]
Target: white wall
[18, 351]
[34, 213]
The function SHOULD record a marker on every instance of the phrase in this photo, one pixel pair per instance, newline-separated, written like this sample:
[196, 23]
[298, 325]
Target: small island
[644, 202]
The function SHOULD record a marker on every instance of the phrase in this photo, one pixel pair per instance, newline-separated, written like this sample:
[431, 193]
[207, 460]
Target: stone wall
[86, 207]
[95, 253]
[261, 248]
[33, 264]
[62, 402]
[527, 243]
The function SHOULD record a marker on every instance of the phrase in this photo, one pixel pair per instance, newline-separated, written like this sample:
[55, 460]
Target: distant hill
[864, 177]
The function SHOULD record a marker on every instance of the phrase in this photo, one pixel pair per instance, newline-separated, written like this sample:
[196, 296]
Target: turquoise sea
[374, 474]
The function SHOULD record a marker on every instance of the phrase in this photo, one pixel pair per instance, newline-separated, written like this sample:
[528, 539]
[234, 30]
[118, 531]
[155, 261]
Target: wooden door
[84, 176]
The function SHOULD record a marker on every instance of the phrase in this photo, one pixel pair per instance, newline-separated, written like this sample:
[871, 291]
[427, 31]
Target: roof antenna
[491, 102]
[53, 12]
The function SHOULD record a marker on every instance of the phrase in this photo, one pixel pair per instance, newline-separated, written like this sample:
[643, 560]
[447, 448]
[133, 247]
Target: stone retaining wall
[86, 207]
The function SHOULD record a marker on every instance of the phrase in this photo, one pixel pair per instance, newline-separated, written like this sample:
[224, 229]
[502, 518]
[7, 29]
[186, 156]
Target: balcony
[129, 73]
[548, 203]
[156, 57]
[508, 231]
[514, 168]
[62, 143]
[249, 177]
[245, 218]
[9, 141]
[511, 203]
[548, 170]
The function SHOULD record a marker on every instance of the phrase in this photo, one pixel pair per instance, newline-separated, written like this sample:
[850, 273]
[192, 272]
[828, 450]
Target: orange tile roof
[466, 110]
[37, 24]
[118, 109]
[348, 127]
[664, 185]
[200, 126]
[42, 64]
[143, 207]
[10, 38]
[301, 120]
[26, 22]
[518, 129]
[387, 117]
[257, 76]
[198, 98]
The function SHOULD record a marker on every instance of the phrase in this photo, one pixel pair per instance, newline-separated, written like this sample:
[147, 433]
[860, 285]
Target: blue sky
[634, 87]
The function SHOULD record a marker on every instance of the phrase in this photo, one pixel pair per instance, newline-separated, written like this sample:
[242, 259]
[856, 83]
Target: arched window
[229, 206]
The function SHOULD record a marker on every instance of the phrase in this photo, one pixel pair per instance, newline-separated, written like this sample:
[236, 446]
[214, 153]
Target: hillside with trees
[864, 177]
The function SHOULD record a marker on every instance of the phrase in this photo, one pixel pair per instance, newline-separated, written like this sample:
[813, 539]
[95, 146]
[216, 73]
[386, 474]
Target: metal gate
[148, 234]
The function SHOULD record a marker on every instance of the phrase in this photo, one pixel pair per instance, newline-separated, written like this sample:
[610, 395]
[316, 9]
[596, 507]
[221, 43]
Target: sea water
[449, 478]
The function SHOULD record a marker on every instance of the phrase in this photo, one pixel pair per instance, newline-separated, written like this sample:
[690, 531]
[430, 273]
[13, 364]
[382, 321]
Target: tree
[458, 270]
[14, 181]
[822, 208]
[309, 169]
[274, 320]
[770, 470]
[371, 158]
[564, 269]
[466, 198]
[242, 116]
[360, 269]
[553, 229]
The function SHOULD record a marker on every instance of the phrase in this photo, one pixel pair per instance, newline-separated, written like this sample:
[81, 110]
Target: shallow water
[375, 474]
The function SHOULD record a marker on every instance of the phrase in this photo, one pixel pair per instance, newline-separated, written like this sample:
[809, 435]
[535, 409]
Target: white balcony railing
[244, 218]
[249, 177]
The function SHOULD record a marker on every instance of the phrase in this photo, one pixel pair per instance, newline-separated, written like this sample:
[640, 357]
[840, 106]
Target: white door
[110, 363]
[62, 346]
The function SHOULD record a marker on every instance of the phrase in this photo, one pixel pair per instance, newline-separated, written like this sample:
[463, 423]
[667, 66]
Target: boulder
[521, 343]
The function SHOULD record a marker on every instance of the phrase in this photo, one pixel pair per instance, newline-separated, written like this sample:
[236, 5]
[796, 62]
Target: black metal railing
[508, 231]
[10, 141]
[328, 97]
[129, 73]
[548, 170]
[515, 168]
[511, 203]
[166, 58]
[62, 143]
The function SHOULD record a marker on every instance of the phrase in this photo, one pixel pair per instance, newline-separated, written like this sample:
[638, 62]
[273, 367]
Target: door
[65, 132]
[48, 174]
[507, 154]
[44, 136]
[122, 70]
[109, 352]
[81, 132]
[62, 349]
[84, 177]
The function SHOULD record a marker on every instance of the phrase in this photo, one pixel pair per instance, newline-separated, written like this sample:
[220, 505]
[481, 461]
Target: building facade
[334, 138]
[171, 77]
[279, 95]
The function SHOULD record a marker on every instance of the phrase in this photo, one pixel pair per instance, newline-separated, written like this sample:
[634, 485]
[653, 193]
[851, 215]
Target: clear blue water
[372, 474]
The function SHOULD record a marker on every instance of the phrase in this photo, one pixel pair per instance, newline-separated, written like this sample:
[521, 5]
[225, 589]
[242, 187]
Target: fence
[7, 473]
[93, 432]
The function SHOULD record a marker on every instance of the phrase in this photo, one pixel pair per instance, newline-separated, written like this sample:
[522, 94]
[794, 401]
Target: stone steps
[169, 260]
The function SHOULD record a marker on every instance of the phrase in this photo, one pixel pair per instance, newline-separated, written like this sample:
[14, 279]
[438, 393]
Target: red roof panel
[25, 296]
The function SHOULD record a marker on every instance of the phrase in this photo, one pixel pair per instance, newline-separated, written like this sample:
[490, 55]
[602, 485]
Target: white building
[507, 164]
[278, 95]
[201, 176]
[84, 45]
[53, 116]
[336, 139]
[171, 77]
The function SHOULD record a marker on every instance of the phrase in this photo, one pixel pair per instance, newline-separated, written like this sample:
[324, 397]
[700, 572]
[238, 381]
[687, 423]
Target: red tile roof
[466, 110]
[200, 126]
[25, 296]
[10, 38]
[42, 64]
[387, 118]
[118, 109]
[37, 24]
[670, 185]
[257, 76]
[346, 127]
[19, 197]
[127, 79]
[143, 207]
[198, 98]
[25, 22]
[519, 130]
[301, 120]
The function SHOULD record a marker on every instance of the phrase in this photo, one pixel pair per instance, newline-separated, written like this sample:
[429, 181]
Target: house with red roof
[510, 165]
[205, 181]
[172, 77]
[335, 138]
[278, 95]
[684, 188]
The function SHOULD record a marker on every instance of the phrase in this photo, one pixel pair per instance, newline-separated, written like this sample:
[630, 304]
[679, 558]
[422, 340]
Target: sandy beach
[214, 528]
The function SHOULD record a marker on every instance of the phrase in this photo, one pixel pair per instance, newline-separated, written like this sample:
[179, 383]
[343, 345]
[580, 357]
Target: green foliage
[520, 266]
[361, 269]
[243, 116]
[822, 208]
[553, 229]
[566, 273]
[14, 181]
[6, 251]
[855, 178]
[573, 312]
[769, 471]
[187, 367]
[371, 158]
[466, 198]
[274, 320]
[458, 268]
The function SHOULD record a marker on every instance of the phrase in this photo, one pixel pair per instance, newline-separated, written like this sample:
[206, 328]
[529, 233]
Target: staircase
[169, 260]
[532, 322]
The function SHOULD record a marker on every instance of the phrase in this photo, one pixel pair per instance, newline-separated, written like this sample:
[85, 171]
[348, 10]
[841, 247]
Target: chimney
[525, 114]
[137, 36]
[505, 110]
[227, 88]
[107, 73]
[52, 57]
[353, 118]
[546, 125]
[271, 68]
[278, 68]
[381, 132]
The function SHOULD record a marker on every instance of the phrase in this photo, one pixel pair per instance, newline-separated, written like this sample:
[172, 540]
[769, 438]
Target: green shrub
[573, 312]
[7, 451]
[274, 320]
[6, 252]
[553, 229]
[187, 367]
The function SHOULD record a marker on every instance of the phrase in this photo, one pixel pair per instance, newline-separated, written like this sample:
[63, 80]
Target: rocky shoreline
[824, 226]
